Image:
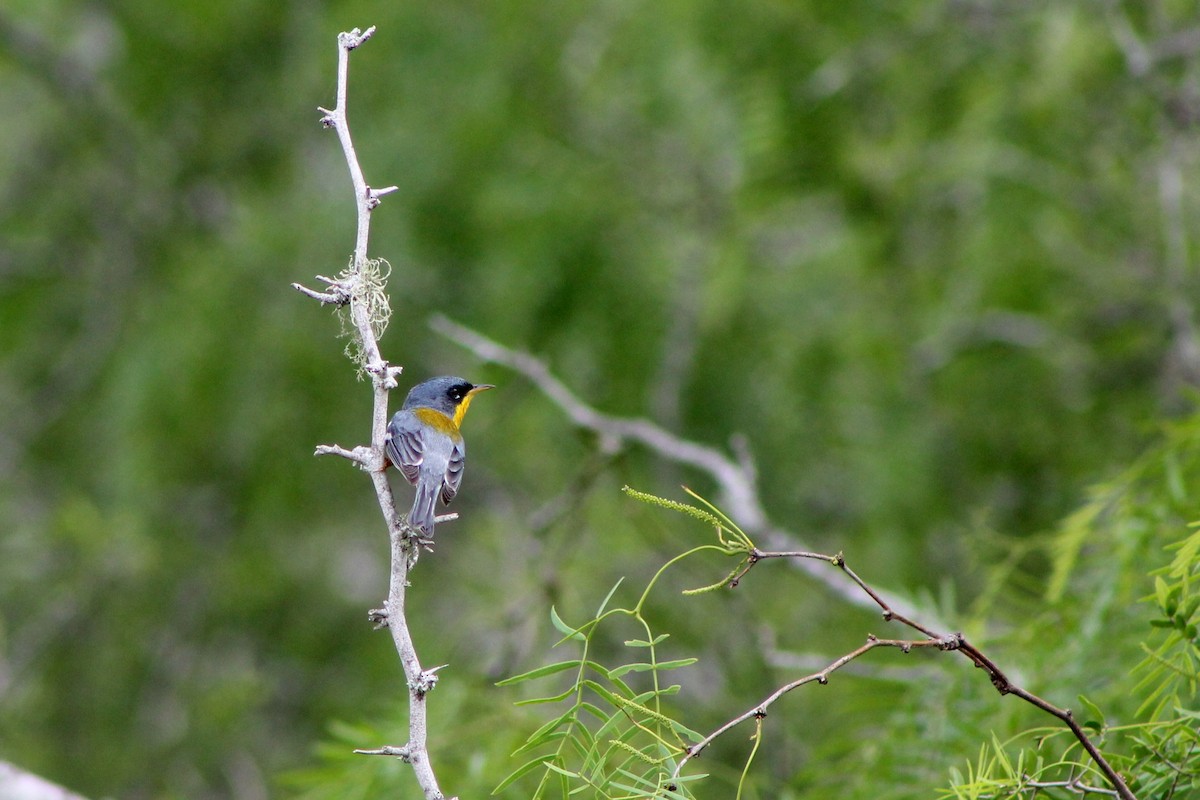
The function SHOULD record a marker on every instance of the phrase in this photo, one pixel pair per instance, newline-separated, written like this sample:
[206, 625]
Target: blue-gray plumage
[426, 445]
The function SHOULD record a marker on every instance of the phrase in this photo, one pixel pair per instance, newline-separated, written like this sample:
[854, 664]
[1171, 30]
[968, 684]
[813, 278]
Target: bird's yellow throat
[461, 411]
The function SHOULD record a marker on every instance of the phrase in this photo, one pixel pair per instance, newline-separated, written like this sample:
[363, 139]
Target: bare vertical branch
[355, 287]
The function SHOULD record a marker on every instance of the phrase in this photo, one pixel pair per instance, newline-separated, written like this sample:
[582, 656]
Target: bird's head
[447, 394]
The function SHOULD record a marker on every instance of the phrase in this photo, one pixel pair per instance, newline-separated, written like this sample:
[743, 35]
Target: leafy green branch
[633, 740]
[1159, 751]
[638, 750]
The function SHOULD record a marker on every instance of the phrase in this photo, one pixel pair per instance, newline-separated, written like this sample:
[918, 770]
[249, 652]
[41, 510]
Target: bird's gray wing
[454, 471]
[404, 444]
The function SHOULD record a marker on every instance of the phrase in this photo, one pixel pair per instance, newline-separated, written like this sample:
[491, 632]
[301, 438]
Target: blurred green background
[934, 260]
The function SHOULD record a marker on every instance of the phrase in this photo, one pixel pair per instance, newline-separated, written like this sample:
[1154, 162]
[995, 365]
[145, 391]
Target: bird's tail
[421, 515]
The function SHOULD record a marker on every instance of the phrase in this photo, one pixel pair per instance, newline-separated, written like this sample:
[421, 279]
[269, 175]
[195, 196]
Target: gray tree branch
[353, 288]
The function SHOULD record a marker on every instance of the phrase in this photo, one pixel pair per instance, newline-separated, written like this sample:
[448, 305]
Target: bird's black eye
[456, 393]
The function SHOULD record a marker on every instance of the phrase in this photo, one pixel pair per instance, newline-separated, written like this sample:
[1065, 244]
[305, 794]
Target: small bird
[425, 443]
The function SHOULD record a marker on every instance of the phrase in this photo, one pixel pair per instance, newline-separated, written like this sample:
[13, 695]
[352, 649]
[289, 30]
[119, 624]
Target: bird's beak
[483, 387]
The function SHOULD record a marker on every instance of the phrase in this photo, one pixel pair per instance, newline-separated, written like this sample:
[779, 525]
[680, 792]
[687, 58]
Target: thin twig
[947, 642]
[404, 546]
[820, 676]
[338, 294]
[1073, 785]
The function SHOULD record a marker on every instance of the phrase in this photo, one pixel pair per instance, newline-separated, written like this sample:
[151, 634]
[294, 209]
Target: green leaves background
[933, 260]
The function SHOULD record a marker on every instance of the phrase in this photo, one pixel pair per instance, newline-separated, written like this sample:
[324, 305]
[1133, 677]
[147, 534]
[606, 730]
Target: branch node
[373, 195]
[952, 641]
[384, 373]
[363, 457]
[354, 38]
[425, 681]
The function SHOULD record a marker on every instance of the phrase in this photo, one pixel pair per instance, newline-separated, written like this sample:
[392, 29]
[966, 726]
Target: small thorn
[378, 616]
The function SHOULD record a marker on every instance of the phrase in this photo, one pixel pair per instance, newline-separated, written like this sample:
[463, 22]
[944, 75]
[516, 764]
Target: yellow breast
[439, 422]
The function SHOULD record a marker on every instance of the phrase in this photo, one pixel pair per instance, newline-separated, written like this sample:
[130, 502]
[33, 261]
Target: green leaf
[694, 737]
[696, 776]
[558, 698]
[1160, 591]
[594, 710]
[1093, 714]
[563, 628]
[550, 765]
[540, 672]
[604, 693]
[1189, 610]
[1068, 543]
[542, 734]
[520, 772]
[644, 643]
[625, 669]
[546, 739]
[620, 685]
[607, 597]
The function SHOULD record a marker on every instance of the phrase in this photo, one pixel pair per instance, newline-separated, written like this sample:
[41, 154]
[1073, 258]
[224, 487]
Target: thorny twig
[946, 642]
